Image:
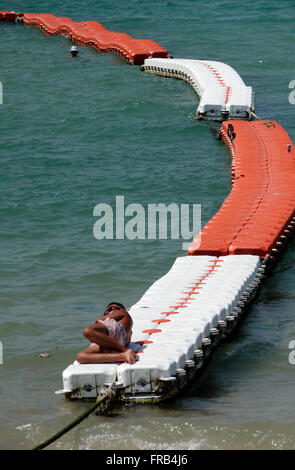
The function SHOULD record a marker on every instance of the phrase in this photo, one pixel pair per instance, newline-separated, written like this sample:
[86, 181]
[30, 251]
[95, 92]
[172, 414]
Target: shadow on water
[269, 295]
[214, 130]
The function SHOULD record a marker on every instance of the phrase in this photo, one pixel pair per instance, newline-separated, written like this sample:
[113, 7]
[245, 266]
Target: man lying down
[110, 338]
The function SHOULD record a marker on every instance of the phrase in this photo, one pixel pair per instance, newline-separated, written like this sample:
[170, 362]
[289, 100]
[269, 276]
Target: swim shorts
[115, 330]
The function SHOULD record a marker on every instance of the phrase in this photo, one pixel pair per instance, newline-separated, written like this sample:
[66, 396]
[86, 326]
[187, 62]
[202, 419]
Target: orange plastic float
[91, 33]
[256, 217]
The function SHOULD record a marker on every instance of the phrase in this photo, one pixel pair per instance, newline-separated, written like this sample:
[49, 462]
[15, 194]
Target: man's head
[114, 306]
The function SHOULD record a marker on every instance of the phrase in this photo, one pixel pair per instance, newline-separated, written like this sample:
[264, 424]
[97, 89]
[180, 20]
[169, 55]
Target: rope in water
[73, 423]
[255, 116]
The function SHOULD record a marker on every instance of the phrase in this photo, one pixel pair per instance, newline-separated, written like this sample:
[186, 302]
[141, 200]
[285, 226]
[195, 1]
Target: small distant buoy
[74, 51]
[46, 355]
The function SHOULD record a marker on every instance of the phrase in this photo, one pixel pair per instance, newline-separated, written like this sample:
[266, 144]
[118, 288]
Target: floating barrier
[181, 318]
[257, 216]
[184, 315]
[91, 33]
[222, 92]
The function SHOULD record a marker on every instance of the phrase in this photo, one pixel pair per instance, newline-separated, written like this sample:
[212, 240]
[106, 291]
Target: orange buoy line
[91, 33]
[256, 220]
[257, 216]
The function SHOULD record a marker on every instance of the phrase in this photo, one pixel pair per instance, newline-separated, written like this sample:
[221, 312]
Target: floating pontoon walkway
[91, 33]
[222, 92]
[257, 216]
[184, 315]
[181, 318]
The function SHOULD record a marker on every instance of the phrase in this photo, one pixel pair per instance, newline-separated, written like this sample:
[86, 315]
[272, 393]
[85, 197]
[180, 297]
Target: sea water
[77, 133]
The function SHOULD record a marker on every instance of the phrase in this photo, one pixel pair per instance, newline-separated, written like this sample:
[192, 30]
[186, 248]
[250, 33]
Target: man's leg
[93, 355]
[99, 335]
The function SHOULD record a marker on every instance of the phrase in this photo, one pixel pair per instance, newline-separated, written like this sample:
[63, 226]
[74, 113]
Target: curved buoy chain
[91, 33]
[101, 406]
[257, 219]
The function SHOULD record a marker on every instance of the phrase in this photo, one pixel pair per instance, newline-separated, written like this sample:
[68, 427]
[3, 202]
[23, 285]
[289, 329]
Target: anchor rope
[255, 116]
[105, 399]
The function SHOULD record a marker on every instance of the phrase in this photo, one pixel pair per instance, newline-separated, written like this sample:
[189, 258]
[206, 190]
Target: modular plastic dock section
[222, 92]
[91, 33]
[180, 319]
[258, 215]
[184, 315]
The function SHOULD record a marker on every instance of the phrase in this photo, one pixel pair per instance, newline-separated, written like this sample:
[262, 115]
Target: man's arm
[92, 355]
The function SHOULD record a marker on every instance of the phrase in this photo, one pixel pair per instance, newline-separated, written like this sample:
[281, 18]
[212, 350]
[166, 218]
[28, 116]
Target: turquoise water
[78, 133]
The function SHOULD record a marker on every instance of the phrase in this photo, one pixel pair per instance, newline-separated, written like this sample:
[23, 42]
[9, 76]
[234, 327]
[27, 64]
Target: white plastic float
[181, 317]
[222, 92]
